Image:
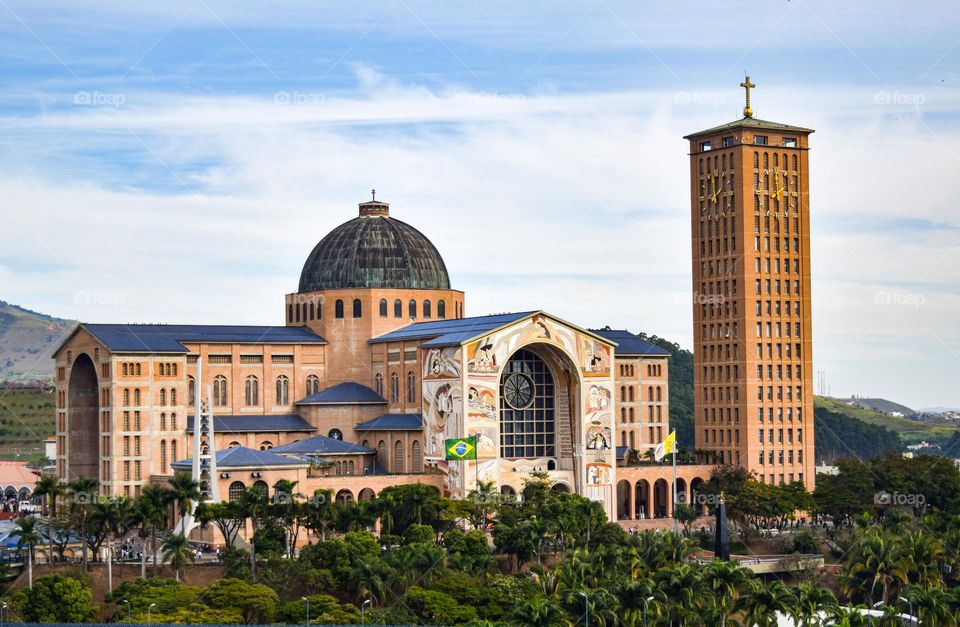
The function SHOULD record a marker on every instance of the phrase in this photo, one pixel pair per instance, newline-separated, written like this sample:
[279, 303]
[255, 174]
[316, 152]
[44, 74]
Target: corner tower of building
[365, 278]
[750, 236]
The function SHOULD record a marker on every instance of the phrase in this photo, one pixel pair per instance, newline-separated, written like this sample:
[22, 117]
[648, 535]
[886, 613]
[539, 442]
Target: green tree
[149, 515]
[50, 487]
[184, 491]
[229, 517]
[811, 600]
[55, 599]
[83, 494]
[256, 602]
[177, 553]
[437, 608]
[763, 601]
[28, 537]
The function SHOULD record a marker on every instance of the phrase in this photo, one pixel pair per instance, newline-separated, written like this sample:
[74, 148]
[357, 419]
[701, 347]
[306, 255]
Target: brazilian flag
[461, 448]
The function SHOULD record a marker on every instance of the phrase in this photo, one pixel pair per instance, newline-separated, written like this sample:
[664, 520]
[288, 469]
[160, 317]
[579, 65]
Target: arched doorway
[661, 499]
[560, 488]
[696, 487]
[366, 494]
[623, 500]
[344, 497]
[682, 496]
[641, 501]
[83, 410]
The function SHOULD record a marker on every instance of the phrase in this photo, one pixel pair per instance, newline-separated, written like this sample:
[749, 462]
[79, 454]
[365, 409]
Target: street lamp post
[307, 601]
[363, 606]
[645, 601]
[586, 609]
[150, 613]
[3, 610]
[129, 617]
[910, 605]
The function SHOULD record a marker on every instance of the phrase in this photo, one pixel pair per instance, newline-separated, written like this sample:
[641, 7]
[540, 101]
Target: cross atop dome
[747, 86]
[374, 207]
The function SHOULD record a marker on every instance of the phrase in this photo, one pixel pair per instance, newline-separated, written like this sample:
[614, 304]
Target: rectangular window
[705, 146]
[789, 142]
[727, 142]
[760, 140]
[220, 359]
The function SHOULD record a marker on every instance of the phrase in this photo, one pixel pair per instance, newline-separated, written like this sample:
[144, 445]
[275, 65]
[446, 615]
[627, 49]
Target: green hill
[26, 419]
[910, 431]
[27, 340]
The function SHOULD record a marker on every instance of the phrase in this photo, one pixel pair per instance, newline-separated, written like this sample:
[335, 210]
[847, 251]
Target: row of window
[777, 308]
[411, 390]
[726, 394]
[717, 331]
[779, 410]
[626, 370]
[251, 390]
[779, 391]
[729, 308]
[710, 415]
[766, 286]
[725, 266]
[707, 247]
[721, 373]
[791, 369]
[764, 329]
[653, 393]
[630, 438]
[721, 351]
[163, 454]
[314, 310]
[780, 434]
[627, 415]
[780, 457]
[776, 244]
[790, 480]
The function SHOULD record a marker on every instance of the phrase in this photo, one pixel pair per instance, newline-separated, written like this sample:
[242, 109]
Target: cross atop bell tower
[747, 86]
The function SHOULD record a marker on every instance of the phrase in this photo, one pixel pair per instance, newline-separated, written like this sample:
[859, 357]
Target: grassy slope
[27, 340]
[910, 431]
[26, 419]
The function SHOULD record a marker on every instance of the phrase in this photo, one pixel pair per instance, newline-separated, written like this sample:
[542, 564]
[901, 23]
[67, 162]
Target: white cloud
[578, 201]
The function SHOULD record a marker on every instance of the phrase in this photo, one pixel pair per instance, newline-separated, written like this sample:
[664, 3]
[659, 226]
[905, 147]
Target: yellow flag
[669, 445]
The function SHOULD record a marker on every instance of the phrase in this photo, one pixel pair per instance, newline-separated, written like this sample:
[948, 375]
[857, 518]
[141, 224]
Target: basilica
[375, 366]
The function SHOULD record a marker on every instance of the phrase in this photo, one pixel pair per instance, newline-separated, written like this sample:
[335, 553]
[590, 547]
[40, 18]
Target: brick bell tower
[750, 237]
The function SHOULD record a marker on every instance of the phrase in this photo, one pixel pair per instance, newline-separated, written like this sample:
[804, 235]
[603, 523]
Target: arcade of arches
[644, 492]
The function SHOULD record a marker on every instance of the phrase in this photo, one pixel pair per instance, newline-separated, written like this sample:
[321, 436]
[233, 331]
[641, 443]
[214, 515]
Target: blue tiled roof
[169, 338]
[451, 332]
[320, 445]
[241, 456]
[347, 393]
[393, 422]
[629, 343]
[249, 423]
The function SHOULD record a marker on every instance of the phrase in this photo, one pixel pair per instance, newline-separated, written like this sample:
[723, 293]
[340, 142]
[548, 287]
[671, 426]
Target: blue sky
[178, 162]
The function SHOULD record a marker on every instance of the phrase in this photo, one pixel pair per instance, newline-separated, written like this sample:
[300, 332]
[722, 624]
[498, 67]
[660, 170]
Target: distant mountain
[27, 340]
[938, 410]
[881, 405]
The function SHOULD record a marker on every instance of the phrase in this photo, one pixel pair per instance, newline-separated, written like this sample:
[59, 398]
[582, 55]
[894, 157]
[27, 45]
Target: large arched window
[394, 388]
[527, 408]
[411, 387]
[163, 422]
[397, 309]
[136, 397]
[173, 451]
[220, 391]
[163, 456]
[412, 309]
[378, 384]
[399, 458]
[313, 384]
[426, 309]
[236, 490]
[441, 309]
[658, 393]
[383, 307]
[192, 390]
[173, 396]
[416, 458]
[283, 390]
[382, 454]
[163, 397]
[357, 308]
[251, 391]
[338, 309]
[260, 487]
[126, 397]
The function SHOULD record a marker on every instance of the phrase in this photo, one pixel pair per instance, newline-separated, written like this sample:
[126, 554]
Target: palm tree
[723, 581]
[924, 554]
[111, 518]
[633, 594]
[83, 492]
[27, 530]
[177, 552]
[50, 487]
[322, 513]
[542, 612]
[148, 517]
[812, 599]
[764, 601]
[932, 605]
[184, 492]
[879, 561]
